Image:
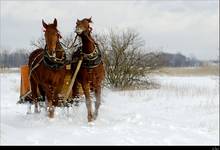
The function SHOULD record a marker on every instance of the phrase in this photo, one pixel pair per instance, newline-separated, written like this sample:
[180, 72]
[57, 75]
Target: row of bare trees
[13, 59]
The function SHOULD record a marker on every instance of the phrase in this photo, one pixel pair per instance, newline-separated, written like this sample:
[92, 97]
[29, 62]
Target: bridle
[87, 33]
[52, 56]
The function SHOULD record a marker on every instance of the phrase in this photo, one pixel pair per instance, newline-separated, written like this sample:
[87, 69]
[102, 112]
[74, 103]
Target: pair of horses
[47, 68]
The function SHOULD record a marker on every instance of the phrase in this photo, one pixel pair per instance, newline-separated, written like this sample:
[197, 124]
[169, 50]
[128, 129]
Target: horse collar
[52, 62]
[91, 60]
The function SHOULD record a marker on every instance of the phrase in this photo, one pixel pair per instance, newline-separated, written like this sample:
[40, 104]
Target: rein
[35, 66]
[72, 45]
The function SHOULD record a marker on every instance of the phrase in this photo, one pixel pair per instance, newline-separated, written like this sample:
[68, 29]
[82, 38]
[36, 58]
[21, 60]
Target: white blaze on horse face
[79, 30]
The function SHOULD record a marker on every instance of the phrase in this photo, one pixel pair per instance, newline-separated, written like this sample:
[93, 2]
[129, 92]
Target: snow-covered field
[184, 111]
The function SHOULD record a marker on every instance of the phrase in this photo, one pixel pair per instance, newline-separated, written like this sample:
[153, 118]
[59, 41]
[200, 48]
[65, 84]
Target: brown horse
[91, 73]
[47, 69]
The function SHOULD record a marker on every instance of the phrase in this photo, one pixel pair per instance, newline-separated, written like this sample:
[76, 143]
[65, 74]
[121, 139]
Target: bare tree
[126, 63]
[14, 58]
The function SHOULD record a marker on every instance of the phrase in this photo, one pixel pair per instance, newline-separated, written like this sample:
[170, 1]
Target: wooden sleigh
[25, 93]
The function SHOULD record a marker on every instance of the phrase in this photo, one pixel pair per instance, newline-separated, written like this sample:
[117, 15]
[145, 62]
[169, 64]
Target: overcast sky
[188, 27]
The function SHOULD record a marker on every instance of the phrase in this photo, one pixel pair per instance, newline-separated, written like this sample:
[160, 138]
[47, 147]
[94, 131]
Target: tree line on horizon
[128, 63]
[20, 57]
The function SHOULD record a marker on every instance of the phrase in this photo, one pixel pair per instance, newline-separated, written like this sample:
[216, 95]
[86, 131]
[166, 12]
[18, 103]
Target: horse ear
[90, 19]
[44, 24]
[77, 20]
[55, 22]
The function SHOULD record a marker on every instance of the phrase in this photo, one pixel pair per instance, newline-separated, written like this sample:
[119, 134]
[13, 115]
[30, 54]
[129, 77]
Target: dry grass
[189, 71]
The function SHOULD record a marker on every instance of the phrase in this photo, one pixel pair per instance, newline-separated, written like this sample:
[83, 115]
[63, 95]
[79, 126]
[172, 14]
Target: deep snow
[184, 111]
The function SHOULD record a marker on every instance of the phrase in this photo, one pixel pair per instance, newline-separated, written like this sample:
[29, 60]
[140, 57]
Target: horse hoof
[91, 123]
[51, 119]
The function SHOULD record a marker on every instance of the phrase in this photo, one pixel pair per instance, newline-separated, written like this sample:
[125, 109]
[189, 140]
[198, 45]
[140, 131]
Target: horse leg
[98, 100]
[42, 93]
[75, 90]
[29, 108]
[75, 93]
[86, 90]
[50, 98]
[34, 94]
[51, 109]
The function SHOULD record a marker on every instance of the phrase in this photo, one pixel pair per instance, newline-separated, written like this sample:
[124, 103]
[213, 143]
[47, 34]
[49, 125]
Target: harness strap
[74, 41]
[90, 55]
[31, 70]
[35, 66]
[54, 59]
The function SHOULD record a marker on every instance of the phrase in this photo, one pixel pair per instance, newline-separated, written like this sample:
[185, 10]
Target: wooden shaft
[73, 79]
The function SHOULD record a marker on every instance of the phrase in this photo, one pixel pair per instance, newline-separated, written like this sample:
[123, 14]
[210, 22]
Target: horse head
[51, 36]
[83, 26]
